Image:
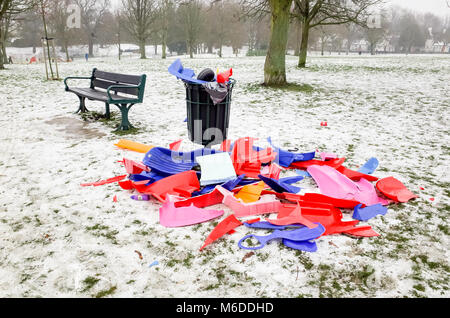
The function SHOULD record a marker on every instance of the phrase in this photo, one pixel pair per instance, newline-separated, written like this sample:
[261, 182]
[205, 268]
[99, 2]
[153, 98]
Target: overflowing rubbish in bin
[208, 102]
[242, 180]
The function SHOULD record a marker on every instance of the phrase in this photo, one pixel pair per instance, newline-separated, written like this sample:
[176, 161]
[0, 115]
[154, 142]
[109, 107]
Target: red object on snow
[333, 163]
[224, 76]
[133, 167]
[180, 184]
[126, 185]
[102, 182]
[115, 198]
[318, 198]
[323, 123]
[225, 226]
[331, 219]
[33, 59]
[202, 201]
[248, 161]
[253, 221]
[294, 217]
[225, 145]
[355, 175]
[395, 190]
[175, 145]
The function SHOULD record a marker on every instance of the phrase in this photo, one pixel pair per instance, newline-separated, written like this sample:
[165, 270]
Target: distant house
[432, 46]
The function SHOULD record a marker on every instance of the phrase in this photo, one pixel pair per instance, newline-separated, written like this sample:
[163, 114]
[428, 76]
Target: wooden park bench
[121, 90]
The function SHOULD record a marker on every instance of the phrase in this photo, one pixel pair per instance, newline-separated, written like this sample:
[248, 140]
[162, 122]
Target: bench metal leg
[82, 108]
[107, 112]
[125, 124]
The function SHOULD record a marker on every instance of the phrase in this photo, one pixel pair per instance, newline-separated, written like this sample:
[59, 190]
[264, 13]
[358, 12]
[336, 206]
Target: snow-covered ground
[58, 239]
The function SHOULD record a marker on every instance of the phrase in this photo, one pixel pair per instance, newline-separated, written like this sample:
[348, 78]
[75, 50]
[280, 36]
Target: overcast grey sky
[438, 7]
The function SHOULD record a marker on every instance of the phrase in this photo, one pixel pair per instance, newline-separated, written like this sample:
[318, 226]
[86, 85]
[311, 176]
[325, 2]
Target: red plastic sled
[334, 163]
[202, 201]
[180, 184]
[102, 182]
[317, 197]
[355, 175]
[395, 190]
[225, 226]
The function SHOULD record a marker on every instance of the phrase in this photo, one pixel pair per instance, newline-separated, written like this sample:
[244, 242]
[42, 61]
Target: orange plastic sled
[250, 193]
[134, 146]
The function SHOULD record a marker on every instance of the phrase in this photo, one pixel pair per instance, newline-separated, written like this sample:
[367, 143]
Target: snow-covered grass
[58, 239]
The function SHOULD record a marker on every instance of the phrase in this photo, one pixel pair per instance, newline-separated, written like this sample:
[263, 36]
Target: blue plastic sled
[370, 166]
[297, 235]
[282, 185]
[167, 162]
[364, 214]
[186, 74]
[286, 158]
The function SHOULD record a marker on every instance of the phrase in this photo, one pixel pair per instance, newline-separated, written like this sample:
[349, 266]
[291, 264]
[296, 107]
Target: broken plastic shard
[364, 214]
[216, 168]
[370, 166]
[170, 216]
[301, 234]
[395, 189]
[294, 217]
[266, 204]
[224, 227]
[250, 193]
[134, 146]
[283, 184]
[286, 158]
[334, 184]
[182, 184]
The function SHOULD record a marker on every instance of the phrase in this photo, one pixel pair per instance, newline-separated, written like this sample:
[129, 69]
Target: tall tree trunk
[164, 40]
[66, 50]
[190, 50]
[46, 41]
[142, 48]
[91, 46]
[5, 56]
[275, 64]
[322, 46]
[304, 45]
[2, 67]
[2, 46]
[298, 38]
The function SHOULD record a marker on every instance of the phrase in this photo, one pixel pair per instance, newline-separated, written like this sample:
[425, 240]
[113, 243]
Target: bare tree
[92, 12]
[190, 15]
[9, 9]
[313, 13]
[58, 16]
[166, 8]
[279, 10]
[139, 16]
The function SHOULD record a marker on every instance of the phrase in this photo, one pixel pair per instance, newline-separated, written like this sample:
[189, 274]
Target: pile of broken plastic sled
[246, 179]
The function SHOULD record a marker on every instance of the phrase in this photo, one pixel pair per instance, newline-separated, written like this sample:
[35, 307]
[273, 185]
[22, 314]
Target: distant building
[432, 46]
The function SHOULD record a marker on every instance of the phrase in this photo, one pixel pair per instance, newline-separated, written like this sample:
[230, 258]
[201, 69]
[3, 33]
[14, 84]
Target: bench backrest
[103, 80]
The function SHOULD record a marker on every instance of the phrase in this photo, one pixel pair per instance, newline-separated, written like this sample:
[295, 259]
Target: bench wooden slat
[116, 77]
[105, 84]
[94, 94]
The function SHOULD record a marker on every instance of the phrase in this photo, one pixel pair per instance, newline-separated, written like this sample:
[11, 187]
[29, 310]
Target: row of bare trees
[269, 27]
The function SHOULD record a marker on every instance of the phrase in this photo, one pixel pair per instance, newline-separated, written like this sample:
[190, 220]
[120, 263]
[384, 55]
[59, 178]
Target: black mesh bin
[207, 123]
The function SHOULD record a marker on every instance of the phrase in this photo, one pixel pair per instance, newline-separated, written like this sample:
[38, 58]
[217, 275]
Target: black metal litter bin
[207, 123]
